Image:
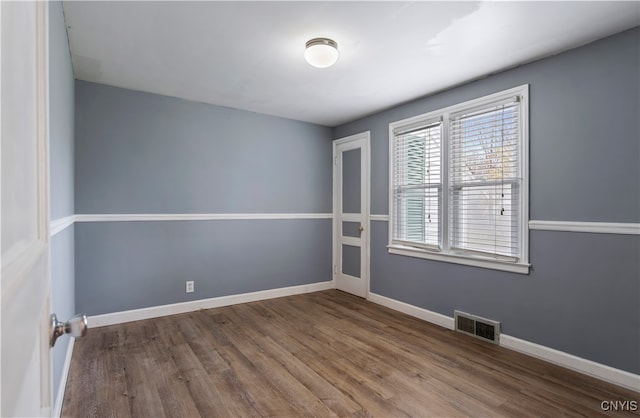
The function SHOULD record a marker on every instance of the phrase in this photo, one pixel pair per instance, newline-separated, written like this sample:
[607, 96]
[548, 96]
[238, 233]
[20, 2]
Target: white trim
[350, 138]
[353, 241]
[1, 261]
[134, 217]
[600, 371]
[183, 307]
[44, 202]
[603, 372]
[351, 217]
[520, 268]
[593, 227]
[57, 410]
[42, 126]
[61, 224]
[568, 226]
[523, 151]
[412, 310]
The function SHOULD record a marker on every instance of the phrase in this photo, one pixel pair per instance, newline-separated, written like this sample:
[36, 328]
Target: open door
[25, 284]
[351, 214]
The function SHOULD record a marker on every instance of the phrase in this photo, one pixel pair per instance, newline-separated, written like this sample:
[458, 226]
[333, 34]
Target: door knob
[76, 327]
[361, 228]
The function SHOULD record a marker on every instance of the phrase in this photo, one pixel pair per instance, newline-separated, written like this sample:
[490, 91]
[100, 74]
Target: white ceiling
[249, 55]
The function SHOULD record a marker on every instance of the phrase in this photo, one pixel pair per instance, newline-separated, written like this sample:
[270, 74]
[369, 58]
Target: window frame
[445, 253]
[427, 123]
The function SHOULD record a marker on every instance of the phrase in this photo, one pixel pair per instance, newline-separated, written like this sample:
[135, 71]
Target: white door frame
[26, 383]
[363, 141]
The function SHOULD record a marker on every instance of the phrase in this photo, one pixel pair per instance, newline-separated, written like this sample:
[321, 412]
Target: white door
[25, 286]
[351, 214]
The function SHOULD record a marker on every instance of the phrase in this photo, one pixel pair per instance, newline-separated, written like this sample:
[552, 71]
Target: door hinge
[335, 269]
[335, 160]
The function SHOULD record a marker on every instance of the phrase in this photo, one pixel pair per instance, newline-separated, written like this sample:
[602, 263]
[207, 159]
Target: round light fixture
[321, 52]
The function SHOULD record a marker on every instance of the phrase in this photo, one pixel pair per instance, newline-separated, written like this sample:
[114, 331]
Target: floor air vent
[482, 328]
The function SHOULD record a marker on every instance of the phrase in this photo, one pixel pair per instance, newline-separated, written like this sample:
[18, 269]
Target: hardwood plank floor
[319, 354]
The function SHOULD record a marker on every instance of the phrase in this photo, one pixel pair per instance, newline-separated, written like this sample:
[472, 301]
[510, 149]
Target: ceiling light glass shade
[321, 52]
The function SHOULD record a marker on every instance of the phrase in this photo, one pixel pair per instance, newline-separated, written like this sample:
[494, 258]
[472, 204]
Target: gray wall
[62, 293]
[144, 153]
[61, 176]
[583, 293]
[130, 265]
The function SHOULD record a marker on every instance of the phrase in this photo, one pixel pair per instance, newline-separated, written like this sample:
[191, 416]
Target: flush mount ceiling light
[321, 52]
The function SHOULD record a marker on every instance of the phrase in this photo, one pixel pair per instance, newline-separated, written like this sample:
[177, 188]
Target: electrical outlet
[189, 287]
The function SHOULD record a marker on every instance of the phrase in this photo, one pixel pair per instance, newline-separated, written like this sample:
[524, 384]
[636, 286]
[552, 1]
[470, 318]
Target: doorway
[351, 190]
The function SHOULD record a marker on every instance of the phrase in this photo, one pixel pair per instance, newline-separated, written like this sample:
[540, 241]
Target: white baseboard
[183, 307]
[591, 368]
[57, 409]
[609, 374]
[415, 311]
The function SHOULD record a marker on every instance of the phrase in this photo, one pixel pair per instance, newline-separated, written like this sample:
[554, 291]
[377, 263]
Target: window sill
[459, 259]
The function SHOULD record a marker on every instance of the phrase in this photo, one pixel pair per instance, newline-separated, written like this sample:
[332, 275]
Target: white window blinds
[417, 187]
[484, 180]
[459, 183]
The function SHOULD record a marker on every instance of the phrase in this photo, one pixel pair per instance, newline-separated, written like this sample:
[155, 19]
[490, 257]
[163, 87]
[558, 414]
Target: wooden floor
[320, 354]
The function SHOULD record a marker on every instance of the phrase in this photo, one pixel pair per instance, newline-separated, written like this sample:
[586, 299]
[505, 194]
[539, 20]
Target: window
[459, 183]
[417, 187]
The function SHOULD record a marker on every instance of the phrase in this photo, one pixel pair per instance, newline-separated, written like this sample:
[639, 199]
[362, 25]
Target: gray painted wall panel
[61, 149]
[130, 265]
[584, 131]
[583, 293]
[62, 293]
[144, 153]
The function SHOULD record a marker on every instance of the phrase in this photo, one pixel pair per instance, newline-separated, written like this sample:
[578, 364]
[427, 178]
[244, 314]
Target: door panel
[350, 229]
[351, 260]
[351, 179]
[351, 214]
[25, 288]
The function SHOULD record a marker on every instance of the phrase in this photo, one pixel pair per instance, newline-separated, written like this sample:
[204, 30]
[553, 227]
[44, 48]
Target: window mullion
[444, 163]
